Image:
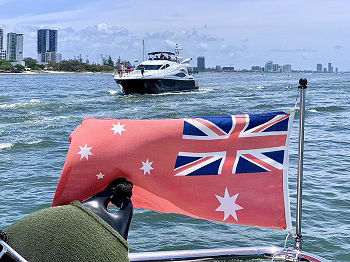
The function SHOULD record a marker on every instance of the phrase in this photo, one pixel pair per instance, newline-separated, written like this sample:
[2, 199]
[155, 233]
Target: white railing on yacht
[147, 73]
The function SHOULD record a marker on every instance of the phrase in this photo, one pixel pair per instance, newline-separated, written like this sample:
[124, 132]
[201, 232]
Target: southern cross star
[85, 152]
[146, 167]
[118, 128]
[100, 176]
[228, 205]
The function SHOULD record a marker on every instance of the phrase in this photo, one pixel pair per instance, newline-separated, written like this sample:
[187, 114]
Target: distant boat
[161, 72]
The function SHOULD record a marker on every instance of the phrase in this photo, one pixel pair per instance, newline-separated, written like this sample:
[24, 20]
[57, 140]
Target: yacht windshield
[148, 67]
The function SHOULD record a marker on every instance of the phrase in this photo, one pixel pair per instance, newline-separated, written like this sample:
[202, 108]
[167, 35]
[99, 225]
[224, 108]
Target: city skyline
[240, 32]
[47, 48]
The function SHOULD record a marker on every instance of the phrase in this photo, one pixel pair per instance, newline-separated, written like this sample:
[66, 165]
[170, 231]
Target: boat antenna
[302, 88]
[177, 49]
[143, 50]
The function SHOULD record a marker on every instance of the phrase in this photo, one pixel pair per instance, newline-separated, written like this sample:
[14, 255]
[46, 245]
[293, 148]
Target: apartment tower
[201, 63]
[47, 46]
[14, 47]
[2, 51]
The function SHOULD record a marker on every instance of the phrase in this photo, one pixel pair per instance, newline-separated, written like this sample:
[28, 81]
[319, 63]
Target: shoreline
[112, 73]
[55, 72]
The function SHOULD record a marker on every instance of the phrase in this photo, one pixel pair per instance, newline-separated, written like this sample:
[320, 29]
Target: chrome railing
[219, 254]
[6, 249]
[224, 254]
[147, 73]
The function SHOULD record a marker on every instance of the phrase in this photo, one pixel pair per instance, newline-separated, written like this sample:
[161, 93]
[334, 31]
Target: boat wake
[22, 104]
[40, 143]
[188, 92]
[326, 109]
[5, 145]
[113, 92]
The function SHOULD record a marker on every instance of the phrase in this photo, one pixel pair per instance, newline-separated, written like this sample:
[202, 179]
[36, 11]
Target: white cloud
[203, 46]
[293, 50]
[238, 29]
[170, 44]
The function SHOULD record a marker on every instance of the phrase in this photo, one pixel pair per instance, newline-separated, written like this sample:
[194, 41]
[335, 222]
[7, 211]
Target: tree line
[71, 65]
[7, 67]
[77, 65]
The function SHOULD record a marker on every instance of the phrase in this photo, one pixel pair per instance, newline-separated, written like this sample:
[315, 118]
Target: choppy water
[38, 113]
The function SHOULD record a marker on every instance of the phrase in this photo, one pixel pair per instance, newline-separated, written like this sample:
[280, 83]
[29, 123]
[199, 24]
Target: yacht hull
[155, 86]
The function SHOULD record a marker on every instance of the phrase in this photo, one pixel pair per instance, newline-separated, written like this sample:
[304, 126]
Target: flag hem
[285, 175]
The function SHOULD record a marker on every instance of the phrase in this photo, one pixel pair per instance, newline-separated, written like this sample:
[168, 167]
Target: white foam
[188, 92]
[55, 118]
[5, 145]
[32, 101]
[8, 105]
[112, 92]
[34, 142]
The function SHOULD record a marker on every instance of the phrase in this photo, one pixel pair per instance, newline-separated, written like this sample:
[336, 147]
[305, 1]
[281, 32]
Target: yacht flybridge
[161, 72]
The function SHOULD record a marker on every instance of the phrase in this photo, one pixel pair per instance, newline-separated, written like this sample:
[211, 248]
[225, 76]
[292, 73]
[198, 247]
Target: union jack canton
[238, 144]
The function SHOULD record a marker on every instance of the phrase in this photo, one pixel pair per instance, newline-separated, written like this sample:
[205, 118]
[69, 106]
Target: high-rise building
[319, 68]
[276, 68]
[201, 63]
[14, 47]
[47, 46]
[269, 66]
[2, 51]
[330, 68]
[287, 68]
[2, 54]
[1, 39]
[47, 40]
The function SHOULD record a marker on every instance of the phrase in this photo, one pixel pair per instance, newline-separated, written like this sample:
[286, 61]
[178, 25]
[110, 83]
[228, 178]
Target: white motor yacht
[161, 72]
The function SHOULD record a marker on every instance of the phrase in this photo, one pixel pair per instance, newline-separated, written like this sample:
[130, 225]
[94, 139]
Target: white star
[100, 176]
[228, 205]
[85, 152]
[118, 128]
[146, 167]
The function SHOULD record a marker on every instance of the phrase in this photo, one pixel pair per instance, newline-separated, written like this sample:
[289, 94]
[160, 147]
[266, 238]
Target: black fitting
[298, 242]
[119, 193]
[3, 236]
[123, 189]
[302, 83]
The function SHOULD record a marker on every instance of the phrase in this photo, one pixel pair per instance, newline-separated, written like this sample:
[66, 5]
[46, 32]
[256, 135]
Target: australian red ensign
[231, 169]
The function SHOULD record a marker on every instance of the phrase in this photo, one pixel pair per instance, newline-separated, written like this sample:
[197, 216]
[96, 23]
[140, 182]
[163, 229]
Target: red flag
[231, 169]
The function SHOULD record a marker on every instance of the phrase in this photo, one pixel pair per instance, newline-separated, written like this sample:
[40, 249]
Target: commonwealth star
[228, 205]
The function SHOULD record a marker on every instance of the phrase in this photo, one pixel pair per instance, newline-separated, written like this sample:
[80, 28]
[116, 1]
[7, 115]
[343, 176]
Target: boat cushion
[66, 233]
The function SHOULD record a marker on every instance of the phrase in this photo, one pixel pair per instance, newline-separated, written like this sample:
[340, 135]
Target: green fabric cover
[66, 233]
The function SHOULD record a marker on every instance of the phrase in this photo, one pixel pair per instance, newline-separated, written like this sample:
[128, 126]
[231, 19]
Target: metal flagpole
[302, 87]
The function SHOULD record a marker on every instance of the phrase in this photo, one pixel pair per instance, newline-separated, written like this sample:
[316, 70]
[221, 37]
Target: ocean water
[39, 111]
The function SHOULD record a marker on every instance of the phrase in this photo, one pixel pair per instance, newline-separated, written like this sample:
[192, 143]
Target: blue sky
[240, 33]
